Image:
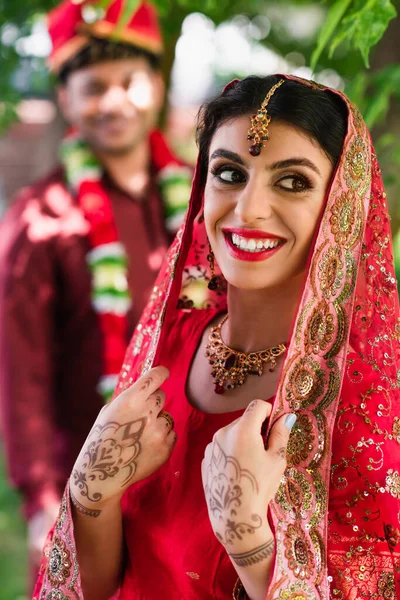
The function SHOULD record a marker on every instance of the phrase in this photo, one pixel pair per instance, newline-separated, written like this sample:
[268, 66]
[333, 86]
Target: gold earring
[214, 283]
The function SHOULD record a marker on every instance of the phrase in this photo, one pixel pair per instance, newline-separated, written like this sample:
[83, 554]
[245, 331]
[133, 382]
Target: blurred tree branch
[356, 24]
[351, 29]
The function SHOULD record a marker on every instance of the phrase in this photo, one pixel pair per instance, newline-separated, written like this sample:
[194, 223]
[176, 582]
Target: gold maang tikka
[258, 132]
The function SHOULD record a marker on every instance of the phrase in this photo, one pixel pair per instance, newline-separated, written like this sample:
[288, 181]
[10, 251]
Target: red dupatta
[341, 377]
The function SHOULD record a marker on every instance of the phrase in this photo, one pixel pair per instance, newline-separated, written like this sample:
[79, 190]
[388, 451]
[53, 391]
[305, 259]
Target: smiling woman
[275, 197]
[284, 387]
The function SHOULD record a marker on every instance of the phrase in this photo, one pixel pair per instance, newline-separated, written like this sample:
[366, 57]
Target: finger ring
[168, 418]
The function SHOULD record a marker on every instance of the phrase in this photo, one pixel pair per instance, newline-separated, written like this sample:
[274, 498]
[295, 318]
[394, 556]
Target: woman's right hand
[131, 438]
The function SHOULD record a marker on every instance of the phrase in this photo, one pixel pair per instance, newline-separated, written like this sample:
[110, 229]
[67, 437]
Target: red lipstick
[242, 254]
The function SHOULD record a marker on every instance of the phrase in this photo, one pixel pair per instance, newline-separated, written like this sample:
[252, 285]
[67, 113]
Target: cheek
[304, 222]
[209, 219]
[84, 107]
[213, 209]
[145, 118]
[90, 107]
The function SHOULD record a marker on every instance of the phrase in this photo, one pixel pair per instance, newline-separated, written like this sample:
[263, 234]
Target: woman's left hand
[241, 477]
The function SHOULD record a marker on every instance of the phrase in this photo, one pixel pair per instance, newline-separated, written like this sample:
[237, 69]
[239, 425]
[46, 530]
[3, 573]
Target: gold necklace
[231, 368]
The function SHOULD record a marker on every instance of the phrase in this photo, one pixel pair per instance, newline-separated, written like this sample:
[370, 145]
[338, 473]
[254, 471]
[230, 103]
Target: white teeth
[253, 245]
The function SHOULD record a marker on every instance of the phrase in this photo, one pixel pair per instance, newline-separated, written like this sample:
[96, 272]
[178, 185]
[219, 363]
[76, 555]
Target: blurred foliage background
[356, 39]
[349, 44]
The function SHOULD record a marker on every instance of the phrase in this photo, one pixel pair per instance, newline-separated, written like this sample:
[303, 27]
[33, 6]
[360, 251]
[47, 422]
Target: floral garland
[107, 258]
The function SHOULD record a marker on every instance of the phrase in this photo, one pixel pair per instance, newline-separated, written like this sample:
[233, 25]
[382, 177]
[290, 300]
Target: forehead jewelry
[258, 132]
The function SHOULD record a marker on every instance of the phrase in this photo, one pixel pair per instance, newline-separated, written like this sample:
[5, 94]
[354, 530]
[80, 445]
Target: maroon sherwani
[50, 340]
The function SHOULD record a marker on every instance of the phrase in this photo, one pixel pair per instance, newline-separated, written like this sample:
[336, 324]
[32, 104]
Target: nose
[113, 99]
[255, 202]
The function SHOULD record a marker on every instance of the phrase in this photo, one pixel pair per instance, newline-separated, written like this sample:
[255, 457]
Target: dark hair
[98, 50]
[321, 115]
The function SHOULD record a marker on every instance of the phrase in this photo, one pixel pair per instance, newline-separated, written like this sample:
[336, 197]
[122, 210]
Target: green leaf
[335, 15]
[346, 33]
[8, 115]
[162, 6]
[365, 26]
[104, 4]
[386, 82]
[356, 90]
[126, 14]
[371, 23]
[378, 107]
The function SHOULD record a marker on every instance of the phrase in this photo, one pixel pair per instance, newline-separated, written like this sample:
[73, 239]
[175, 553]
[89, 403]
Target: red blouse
[172, 550]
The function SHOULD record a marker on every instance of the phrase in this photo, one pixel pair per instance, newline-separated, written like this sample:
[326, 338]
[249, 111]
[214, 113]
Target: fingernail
[290, 421]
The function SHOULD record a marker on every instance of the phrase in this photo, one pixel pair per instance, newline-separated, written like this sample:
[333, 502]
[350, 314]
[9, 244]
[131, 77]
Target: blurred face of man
[113, 104]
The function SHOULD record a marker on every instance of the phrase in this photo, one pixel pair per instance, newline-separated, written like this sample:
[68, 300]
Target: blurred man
[80, 250]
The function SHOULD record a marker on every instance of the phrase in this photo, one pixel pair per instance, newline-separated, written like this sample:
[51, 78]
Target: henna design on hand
[224, 490]
[251, 406]
[252, 557]
[282, 453]
[238, 530]
[82, 509]
[146, 384]
[169, 421]
[116, 449]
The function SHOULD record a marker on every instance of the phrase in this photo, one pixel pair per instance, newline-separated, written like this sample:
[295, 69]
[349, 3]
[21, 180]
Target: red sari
[181, 558]
[336, 514]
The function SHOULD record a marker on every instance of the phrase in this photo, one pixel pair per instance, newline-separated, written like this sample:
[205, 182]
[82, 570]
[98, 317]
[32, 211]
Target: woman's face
[261, 212]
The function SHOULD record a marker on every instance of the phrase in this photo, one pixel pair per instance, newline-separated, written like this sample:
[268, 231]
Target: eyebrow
[229, 155]
[281, 164]
[292, 162]
[99, 78]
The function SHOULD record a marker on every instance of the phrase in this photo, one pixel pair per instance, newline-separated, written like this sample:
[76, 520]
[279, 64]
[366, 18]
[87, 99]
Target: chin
[258, 280]
[252, 282]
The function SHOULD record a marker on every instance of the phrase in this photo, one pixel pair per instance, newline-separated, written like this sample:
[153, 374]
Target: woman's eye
[230, 175]
[294, 184]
